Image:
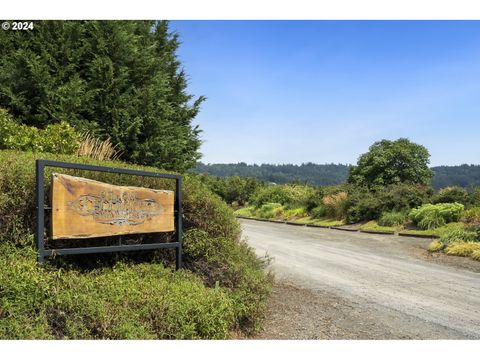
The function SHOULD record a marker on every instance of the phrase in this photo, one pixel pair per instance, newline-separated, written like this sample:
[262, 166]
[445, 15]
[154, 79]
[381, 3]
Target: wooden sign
[84, 208]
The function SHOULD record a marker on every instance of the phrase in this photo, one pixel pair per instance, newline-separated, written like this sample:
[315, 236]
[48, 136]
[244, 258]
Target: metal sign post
[42, 208]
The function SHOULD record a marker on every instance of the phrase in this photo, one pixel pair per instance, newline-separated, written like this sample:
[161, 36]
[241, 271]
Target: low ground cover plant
[461, 240]
[376, 227]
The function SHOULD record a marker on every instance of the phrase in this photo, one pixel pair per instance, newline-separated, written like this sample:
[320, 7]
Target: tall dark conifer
[115, 78]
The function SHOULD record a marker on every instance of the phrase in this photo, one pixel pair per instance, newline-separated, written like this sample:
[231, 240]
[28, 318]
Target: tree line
[465, 176]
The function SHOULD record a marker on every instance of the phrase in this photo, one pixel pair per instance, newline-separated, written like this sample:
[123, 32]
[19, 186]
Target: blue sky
[324, 91]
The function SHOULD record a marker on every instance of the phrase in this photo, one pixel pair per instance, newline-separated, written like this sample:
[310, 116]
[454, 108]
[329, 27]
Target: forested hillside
[462, 175]
[332, 174]
[323, 175]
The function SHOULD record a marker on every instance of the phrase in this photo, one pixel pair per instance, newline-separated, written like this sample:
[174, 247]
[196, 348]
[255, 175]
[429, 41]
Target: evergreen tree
[120, 79]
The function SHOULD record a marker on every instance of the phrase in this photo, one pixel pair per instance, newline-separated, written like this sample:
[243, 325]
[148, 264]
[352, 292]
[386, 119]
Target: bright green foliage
[289, 195]
[248, 211]
[438, 231]
[269, 211]
[432, 216]
[392, 162]
[295, 213]
[392, 218]
[458, 234]
[226, 264]
[128, 301]
[120, 79]
[58, 138]
[431, 220]
[451, 195]
[144, 305]
[373, 225]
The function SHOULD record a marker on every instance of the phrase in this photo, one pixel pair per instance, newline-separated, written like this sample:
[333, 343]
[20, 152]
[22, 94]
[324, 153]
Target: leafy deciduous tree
[392, 162]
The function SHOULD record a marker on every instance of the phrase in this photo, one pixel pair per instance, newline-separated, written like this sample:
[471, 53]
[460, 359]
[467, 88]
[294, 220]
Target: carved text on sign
[84, 208]
[110, 208]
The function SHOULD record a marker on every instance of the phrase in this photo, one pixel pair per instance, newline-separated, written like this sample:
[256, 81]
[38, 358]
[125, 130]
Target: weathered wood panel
[84, 208]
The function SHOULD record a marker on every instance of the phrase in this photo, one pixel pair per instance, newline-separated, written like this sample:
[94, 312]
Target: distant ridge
[460, 175]
[327, 174]
[331, 174]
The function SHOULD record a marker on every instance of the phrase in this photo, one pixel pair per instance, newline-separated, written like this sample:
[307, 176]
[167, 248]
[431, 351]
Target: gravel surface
[341, 285]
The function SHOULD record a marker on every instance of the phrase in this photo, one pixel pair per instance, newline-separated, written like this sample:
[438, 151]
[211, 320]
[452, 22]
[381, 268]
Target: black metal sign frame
[41, 208]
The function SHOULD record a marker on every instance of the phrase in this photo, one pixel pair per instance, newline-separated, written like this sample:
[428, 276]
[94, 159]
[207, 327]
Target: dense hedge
[55, 138]
[224, 287]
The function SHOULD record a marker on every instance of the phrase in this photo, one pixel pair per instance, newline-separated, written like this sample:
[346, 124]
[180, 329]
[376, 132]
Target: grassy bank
[223, 288]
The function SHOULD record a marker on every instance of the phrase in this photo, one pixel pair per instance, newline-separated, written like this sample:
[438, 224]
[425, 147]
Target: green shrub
[247, 211]
[452, 194]
[58, 138]
[270, 211]
[295, 213]
[128, 301]
[474, 195]
[458, 234]
[234, 299]
[372, 225]
[403, 197]
[431, 216]
[431, 220]
[319, 212]
[471, 216]
[288, 195]
[363, 205]
[234, 267]
[232, 188]
[315, 199]
[392, 218]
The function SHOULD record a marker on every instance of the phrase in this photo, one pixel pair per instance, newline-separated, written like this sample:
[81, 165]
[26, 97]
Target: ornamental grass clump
[392, 218]
[336, 205]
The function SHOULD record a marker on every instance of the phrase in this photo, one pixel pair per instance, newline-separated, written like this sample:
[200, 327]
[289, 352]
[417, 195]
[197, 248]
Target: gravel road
[349, 285]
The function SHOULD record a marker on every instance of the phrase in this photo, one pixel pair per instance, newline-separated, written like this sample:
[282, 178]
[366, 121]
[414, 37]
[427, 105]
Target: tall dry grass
[336, 205]
[98, 149]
